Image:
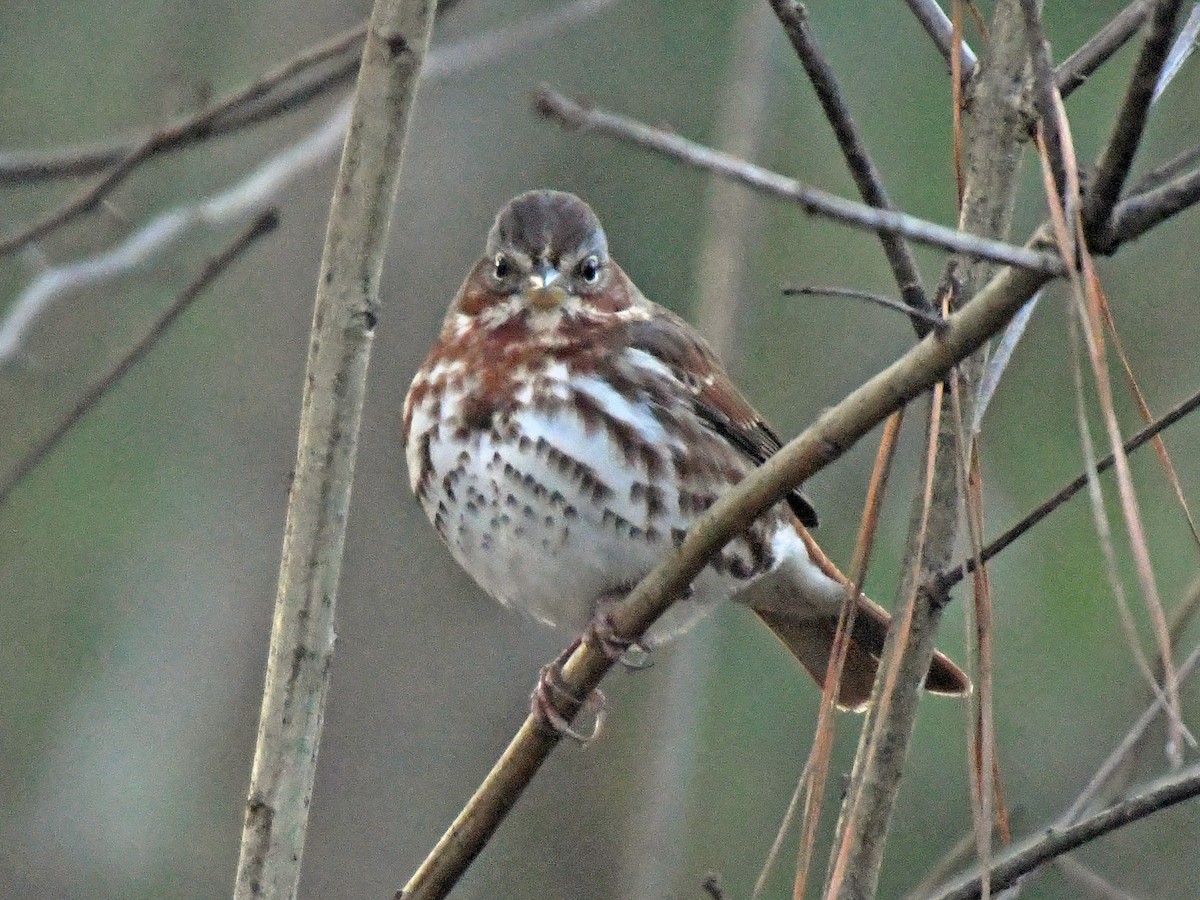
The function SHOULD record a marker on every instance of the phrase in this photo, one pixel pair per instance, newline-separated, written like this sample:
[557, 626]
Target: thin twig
[248, 197]
[344, 319]
[1117, 156]
[574, 115]
[933, 19]
[1128, 744]
[930, 319]
[188, 130]
[866, 177]
[1055, 841]
[955, 575]
[1079, 66]
[261, 226]
[1186, 161]
[17, 166]
[262, 187]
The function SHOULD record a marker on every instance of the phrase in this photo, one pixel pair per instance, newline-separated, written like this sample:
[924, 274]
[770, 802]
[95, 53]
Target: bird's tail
[800, 603]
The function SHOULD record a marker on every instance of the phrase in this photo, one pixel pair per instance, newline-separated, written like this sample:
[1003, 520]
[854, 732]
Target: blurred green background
[138, 564]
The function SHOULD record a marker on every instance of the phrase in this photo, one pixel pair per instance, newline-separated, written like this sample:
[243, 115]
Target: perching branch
[571, 114]
[347, 304]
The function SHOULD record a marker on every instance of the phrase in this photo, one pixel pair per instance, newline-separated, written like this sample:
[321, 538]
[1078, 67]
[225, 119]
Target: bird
[564, 433]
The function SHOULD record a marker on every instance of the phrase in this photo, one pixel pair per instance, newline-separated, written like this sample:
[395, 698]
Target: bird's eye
[502, 267]
[589, 270]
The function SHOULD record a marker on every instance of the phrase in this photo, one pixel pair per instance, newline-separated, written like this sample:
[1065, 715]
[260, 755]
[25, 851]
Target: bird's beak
[544, 289]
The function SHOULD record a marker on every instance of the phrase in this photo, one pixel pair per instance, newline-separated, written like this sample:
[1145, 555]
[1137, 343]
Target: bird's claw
[542, 705]
[634, 655]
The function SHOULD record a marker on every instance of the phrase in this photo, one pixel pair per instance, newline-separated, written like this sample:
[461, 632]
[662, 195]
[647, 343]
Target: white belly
[549, 516]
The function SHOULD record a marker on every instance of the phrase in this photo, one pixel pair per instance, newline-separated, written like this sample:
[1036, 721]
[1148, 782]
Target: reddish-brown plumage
[564, 432]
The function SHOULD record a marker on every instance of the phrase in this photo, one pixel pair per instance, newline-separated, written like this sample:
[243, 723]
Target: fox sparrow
[565, 431]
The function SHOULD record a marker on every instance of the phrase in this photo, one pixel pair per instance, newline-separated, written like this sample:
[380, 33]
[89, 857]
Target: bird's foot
[551, 689]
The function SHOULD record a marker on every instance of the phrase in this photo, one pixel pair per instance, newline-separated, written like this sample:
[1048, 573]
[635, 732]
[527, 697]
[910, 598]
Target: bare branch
[262, 187]
[346, 309]
[248, 197]
[929, 319]
[1117, 156]
[1122, 752]
[24, 166]
[1055, 841]
[17, 166]
[959, 572]
[1136, 215]
[571, 114]
[937, 25]
[866, 177]
[262, 226]
[1187, 160]
[1079, 66]
[185, 132]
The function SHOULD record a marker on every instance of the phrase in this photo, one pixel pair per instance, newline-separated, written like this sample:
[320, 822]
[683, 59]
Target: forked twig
[1117, 156]
[858, 159]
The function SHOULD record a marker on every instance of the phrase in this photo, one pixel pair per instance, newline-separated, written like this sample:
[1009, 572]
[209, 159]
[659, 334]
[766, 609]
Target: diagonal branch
[938, 26]
[1057, 841]
[952, 577]
[1080, 65]
[1187, 160]
[18, 166]
[262, 226]
[1136, 215]
[1112, 167]
[571, 114]
[182, 133]
[248, 106]
[794, 19]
